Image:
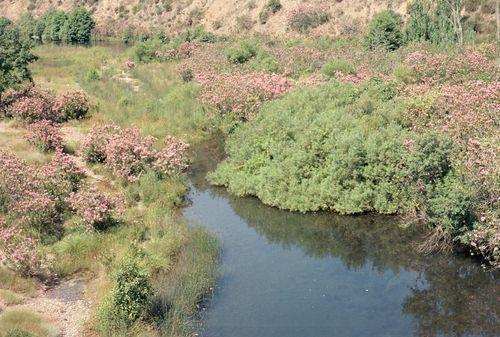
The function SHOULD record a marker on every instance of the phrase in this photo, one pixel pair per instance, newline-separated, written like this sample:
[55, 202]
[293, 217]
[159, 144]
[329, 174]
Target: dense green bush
[419, 24]
[54, 23]
[78, 26]
[265, 62]
[243, 53]
[146, 51]
[384, 31]
[26, 25]
[336, 147]
[272, 7]
[130, 298]
[345, 67]
[15, 56]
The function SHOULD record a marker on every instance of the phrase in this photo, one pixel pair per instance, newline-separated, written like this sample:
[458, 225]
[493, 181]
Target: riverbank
[180, 262]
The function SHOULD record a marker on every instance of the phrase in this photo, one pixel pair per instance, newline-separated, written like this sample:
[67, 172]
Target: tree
[15, 56]
[54, 22]
[26, 26]
[419, 22]
[384, 31]
[78, 27]
[447, 22]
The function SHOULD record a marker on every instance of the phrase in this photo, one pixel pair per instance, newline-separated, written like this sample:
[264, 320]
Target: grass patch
[9, 297]
[27, 321]
[11, 281]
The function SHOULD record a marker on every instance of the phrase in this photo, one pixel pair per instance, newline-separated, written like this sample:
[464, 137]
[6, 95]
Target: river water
[317, 275]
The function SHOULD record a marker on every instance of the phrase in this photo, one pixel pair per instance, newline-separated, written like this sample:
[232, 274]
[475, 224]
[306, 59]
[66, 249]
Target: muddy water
[317, 275]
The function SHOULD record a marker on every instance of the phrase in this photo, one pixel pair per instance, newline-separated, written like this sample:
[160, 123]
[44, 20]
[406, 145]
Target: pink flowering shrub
[71, 105]
[20, 252]
[128, 154]
[34, 109]
[94, 146]
[241, 93]
[31, 105]
[97, 211]
[45, 136]
[172, 158]
[431, 68]
[62, 175]
[34, 197]
[184, 51]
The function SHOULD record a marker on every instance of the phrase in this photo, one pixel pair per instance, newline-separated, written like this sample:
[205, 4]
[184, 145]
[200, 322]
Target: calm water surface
[317, 275]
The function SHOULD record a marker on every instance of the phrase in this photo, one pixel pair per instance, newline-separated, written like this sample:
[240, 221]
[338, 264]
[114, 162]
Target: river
[317, 275]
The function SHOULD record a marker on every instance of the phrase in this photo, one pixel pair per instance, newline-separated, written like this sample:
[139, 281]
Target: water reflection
[413, 294]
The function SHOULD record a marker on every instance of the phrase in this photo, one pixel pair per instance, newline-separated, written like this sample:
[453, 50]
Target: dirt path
[64, 305]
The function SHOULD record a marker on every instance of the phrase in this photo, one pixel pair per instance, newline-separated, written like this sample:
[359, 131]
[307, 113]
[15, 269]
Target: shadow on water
[313, 275]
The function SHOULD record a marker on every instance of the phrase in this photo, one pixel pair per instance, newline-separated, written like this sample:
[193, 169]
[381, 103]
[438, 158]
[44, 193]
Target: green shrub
[303, 21]
[274, 5]
[145, 51]
[54, 23]
[265, 62]
[264, 15]
[130, 297]
[92, 75]
[449, 206]
[345, 67]
[245, 52]
[384, 31]
[419, 24]
[335, 147]
[403, 74]
[78, 26]
[128, 36]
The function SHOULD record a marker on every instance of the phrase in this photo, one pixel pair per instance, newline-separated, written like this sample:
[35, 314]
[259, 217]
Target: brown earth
[224, 16]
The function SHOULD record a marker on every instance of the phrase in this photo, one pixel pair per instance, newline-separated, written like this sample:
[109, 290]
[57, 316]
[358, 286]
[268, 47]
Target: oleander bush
[72, 105]
[240, 94]
[30, 104]
[96, 210]
[128, 154]
[45, 136]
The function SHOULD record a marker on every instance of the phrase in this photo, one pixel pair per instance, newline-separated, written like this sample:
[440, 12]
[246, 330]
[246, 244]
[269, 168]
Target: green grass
[11, 281]
[9, 297]
[27, 321]
[151, 97]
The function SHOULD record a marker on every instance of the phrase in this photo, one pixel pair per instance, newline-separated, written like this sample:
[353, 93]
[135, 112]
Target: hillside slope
[227, 16]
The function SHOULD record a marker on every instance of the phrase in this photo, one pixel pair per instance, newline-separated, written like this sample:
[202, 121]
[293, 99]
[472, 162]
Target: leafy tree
[40, 26]
[26, 26]
[54, 23]
[446, 25]
[384, 31]
[418, 26]
[15, 55]
[78, 26]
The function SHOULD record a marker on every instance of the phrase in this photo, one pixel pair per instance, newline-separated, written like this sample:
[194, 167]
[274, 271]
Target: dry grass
[24, 320]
